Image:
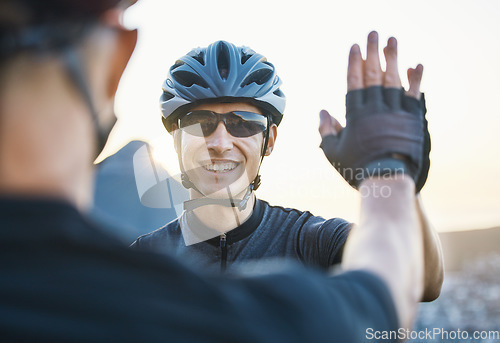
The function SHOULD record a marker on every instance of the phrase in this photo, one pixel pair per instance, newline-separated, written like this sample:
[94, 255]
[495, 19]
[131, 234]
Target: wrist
[386, 186]
[383, 168]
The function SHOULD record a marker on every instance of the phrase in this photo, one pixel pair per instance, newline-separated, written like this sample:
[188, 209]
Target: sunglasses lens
[199, 123]
[203, 123]
[245, 124]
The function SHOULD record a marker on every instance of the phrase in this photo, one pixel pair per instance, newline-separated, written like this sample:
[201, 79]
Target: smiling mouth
[220, 167]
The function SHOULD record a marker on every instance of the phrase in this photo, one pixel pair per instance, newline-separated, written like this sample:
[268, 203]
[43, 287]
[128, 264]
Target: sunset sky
[308, 42]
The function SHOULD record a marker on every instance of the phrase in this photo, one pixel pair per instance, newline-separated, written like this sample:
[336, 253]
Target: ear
[126, 41]
[273, 133]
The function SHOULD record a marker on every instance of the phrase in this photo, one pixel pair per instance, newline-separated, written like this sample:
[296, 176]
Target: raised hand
[386, 131]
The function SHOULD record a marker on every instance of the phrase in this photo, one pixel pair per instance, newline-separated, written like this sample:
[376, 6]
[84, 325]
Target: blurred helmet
[34, 25]
[30, 12]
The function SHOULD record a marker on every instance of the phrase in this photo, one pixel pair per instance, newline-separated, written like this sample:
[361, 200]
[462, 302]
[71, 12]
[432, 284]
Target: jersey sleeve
[321, 242]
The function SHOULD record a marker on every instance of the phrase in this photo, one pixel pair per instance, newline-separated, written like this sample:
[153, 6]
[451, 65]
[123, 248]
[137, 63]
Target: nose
[220, 140]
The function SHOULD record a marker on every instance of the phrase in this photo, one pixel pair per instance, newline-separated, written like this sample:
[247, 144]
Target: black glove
[385, 134]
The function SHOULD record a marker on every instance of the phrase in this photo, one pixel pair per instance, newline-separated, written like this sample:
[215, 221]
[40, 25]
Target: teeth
[220, 167]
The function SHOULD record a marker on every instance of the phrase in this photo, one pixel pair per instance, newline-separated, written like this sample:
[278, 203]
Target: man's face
[220, 160]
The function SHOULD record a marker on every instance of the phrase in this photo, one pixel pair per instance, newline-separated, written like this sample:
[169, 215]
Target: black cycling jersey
[63, 280]
[270, 232]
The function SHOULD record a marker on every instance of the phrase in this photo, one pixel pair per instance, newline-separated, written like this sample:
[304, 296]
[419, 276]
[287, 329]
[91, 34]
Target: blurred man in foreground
[62, 279]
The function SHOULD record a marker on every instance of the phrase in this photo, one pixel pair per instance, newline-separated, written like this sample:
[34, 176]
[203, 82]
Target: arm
[388, 242]
[384, 137]
[363, 74]
[433, 256]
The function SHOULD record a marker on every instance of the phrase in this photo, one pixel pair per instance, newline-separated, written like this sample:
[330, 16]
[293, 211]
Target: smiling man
[223, 105]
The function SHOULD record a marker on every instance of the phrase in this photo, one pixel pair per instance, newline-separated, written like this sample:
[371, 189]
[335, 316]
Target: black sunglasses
[238, 123]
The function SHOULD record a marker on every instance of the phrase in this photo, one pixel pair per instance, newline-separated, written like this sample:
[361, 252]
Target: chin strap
[190, 205]
[193, 204]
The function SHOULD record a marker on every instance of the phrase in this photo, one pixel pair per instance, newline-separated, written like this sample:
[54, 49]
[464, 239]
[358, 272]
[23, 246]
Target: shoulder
[296, 217]
[275, 212]
[167, 233]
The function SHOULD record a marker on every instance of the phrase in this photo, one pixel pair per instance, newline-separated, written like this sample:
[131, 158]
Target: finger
[391, 76]
[373, 72]
[355, 69]
[327, 124]
[414, 78]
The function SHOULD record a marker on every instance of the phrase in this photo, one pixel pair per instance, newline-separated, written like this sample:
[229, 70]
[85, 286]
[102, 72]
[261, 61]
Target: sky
[308, 42]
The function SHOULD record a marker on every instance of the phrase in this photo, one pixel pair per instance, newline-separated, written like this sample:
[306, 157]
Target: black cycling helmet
[31, 12]
[49, 25]
[56, 26]
[221, 72]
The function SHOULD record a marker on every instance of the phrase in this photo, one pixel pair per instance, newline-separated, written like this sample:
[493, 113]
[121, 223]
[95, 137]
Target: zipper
[223, 251]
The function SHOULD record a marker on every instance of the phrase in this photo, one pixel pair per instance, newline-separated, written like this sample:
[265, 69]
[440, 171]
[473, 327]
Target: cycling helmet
[221, 72]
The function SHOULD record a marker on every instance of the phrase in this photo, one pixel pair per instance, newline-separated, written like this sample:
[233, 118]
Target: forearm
[433, 256]
[388, 242]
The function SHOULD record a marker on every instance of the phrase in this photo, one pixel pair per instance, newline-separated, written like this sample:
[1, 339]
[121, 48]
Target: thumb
[327, 124]
[329, 146]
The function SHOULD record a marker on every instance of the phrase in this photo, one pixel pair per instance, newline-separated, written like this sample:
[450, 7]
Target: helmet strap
[74, 69]
[256, 182]
[193, 204]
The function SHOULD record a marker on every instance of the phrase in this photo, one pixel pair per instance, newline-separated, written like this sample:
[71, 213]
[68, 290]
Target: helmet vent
[260, 77]
[223, 60]
[166, 96]
[279, 93]
[200, 57]
[176, 65]
[245, 57]
[187, 79]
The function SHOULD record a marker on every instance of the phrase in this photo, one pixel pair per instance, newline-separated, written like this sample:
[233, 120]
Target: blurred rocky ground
[469, 301]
